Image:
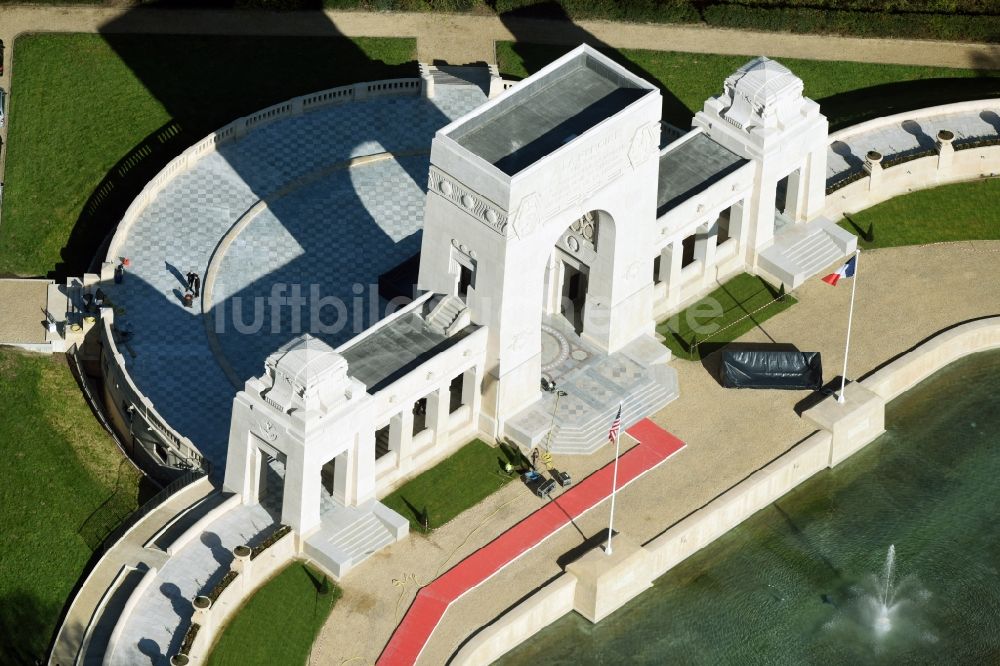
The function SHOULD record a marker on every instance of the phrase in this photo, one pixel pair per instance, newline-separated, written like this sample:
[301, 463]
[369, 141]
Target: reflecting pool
[892, 557]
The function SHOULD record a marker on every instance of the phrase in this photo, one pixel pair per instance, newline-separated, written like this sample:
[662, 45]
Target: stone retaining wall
[879, 181]
[250, 576]
[845, 429]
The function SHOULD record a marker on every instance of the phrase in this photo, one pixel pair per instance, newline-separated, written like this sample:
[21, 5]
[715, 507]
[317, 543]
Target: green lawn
[93, 117]
[963, 211]
[60, 469]
[697, 330]
[848, 92]
[470, 475]
[279, 622]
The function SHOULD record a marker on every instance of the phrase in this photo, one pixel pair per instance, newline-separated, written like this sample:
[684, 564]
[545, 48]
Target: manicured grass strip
[848, 92]
[94, 117]
[60, 468]
[963, 211]
[280, 621]
[469, 476]
[697, 330]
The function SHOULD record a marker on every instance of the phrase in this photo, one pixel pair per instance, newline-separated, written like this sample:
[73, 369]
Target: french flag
[845, 271]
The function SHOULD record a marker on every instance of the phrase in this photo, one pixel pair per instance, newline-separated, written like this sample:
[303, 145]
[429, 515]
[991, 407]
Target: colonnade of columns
[672, 268]
[437, 418]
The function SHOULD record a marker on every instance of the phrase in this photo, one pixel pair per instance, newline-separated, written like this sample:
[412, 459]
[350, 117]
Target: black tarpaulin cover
[755, 368]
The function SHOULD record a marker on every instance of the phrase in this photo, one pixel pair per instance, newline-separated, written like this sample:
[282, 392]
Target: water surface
[791, 585]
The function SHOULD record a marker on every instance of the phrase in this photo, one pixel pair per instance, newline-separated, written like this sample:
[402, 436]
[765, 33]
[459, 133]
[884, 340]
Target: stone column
[674, 256]
[873, 165]
[814, 185]
[704, 250]
[946, 152]
[437, 415]
[300, 502]
[470, 391]
[401, 438]
[554, 272]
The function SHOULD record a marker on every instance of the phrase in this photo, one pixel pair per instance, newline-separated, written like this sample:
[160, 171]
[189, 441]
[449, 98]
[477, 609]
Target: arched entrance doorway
[575, 267]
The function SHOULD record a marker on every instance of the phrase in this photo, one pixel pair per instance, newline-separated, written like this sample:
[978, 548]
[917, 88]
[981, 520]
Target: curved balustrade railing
[182, 453]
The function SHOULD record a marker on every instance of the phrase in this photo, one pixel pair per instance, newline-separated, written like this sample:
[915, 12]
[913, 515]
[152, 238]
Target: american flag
[616, 425]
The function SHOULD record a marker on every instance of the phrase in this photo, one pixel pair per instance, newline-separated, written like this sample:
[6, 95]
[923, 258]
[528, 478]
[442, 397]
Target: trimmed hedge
[955, 20]
[857, 23]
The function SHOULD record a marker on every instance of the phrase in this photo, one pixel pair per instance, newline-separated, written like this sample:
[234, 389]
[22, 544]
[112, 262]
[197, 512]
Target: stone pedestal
[202, 615]
[605, 582]
[873, 165]
[242, 565]
[945, 149]
[856, 422]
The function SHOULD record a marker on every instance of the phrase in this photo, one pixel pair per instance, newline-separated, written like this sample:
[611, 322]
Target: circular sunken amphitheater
[321, 194]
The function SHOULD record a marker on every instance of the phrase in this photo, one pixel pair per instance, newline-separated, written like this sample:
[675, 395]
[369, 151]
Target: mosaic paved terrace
[328, 227]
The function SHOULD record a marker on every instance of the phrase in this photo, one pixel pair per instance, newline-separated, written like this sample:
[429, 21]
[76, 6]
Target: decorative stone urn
[946, 151]
[873, 157]
[242, 564]
[179, 660]
[202, 607]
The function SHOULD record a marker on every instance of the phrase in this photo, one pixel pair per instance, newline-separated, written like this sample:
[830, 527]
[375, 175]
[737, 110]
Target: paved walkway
[96, 600]
[24, 308]
[159, 620]
[464, 38]
[914, 133]
[655, 446]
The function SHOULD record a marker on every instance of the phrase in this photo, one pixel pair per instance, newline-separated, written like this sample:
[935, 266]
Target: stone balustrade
[181, 448]
[879, 183]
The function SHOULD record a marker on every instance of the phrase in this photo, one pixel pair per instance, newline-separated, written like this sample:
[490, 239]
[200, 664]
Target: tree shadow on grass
[24, 627]
[204, 82]
[421, 517]
[856, 106]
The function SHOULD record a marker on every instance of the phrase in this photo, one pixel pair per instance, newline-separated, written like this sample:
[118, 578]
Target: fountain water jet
[882, 622]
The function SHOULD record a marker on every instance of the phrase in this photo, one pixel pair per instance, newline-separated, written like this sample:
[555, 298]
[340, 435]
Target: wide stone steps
[588, 437]
[346, 538]
[801, 251]
[362, 538]
[814, 253]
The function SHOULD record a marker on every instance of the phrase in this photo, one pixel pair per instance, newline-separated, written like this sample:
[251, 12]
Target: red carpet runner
[655, 445]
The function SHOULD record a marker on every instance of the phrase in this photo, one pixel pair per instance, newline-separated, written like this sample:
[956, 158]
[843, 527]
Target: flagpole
[614, 488]
[850, 317]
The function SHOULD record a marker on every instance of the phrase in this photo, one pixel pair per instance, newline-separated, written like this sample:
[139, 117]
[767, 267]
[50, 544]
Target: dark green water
[796, 583]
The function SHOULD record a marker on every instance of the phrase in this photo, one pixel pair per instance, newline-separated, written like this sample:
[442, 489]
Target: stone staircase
[446, 314]
[456, 75]
[801, 251]
[347, 536]
[637, 378]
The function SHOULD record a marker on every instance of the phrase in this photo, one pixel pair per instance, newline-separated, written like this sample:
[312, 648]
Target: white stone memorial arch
[509, 181]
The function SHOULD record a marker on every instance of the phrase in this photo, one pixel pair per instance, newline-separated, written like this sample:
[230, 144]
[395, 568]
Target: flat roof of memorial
[691, 168]
[395, 349]
[542, 114]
